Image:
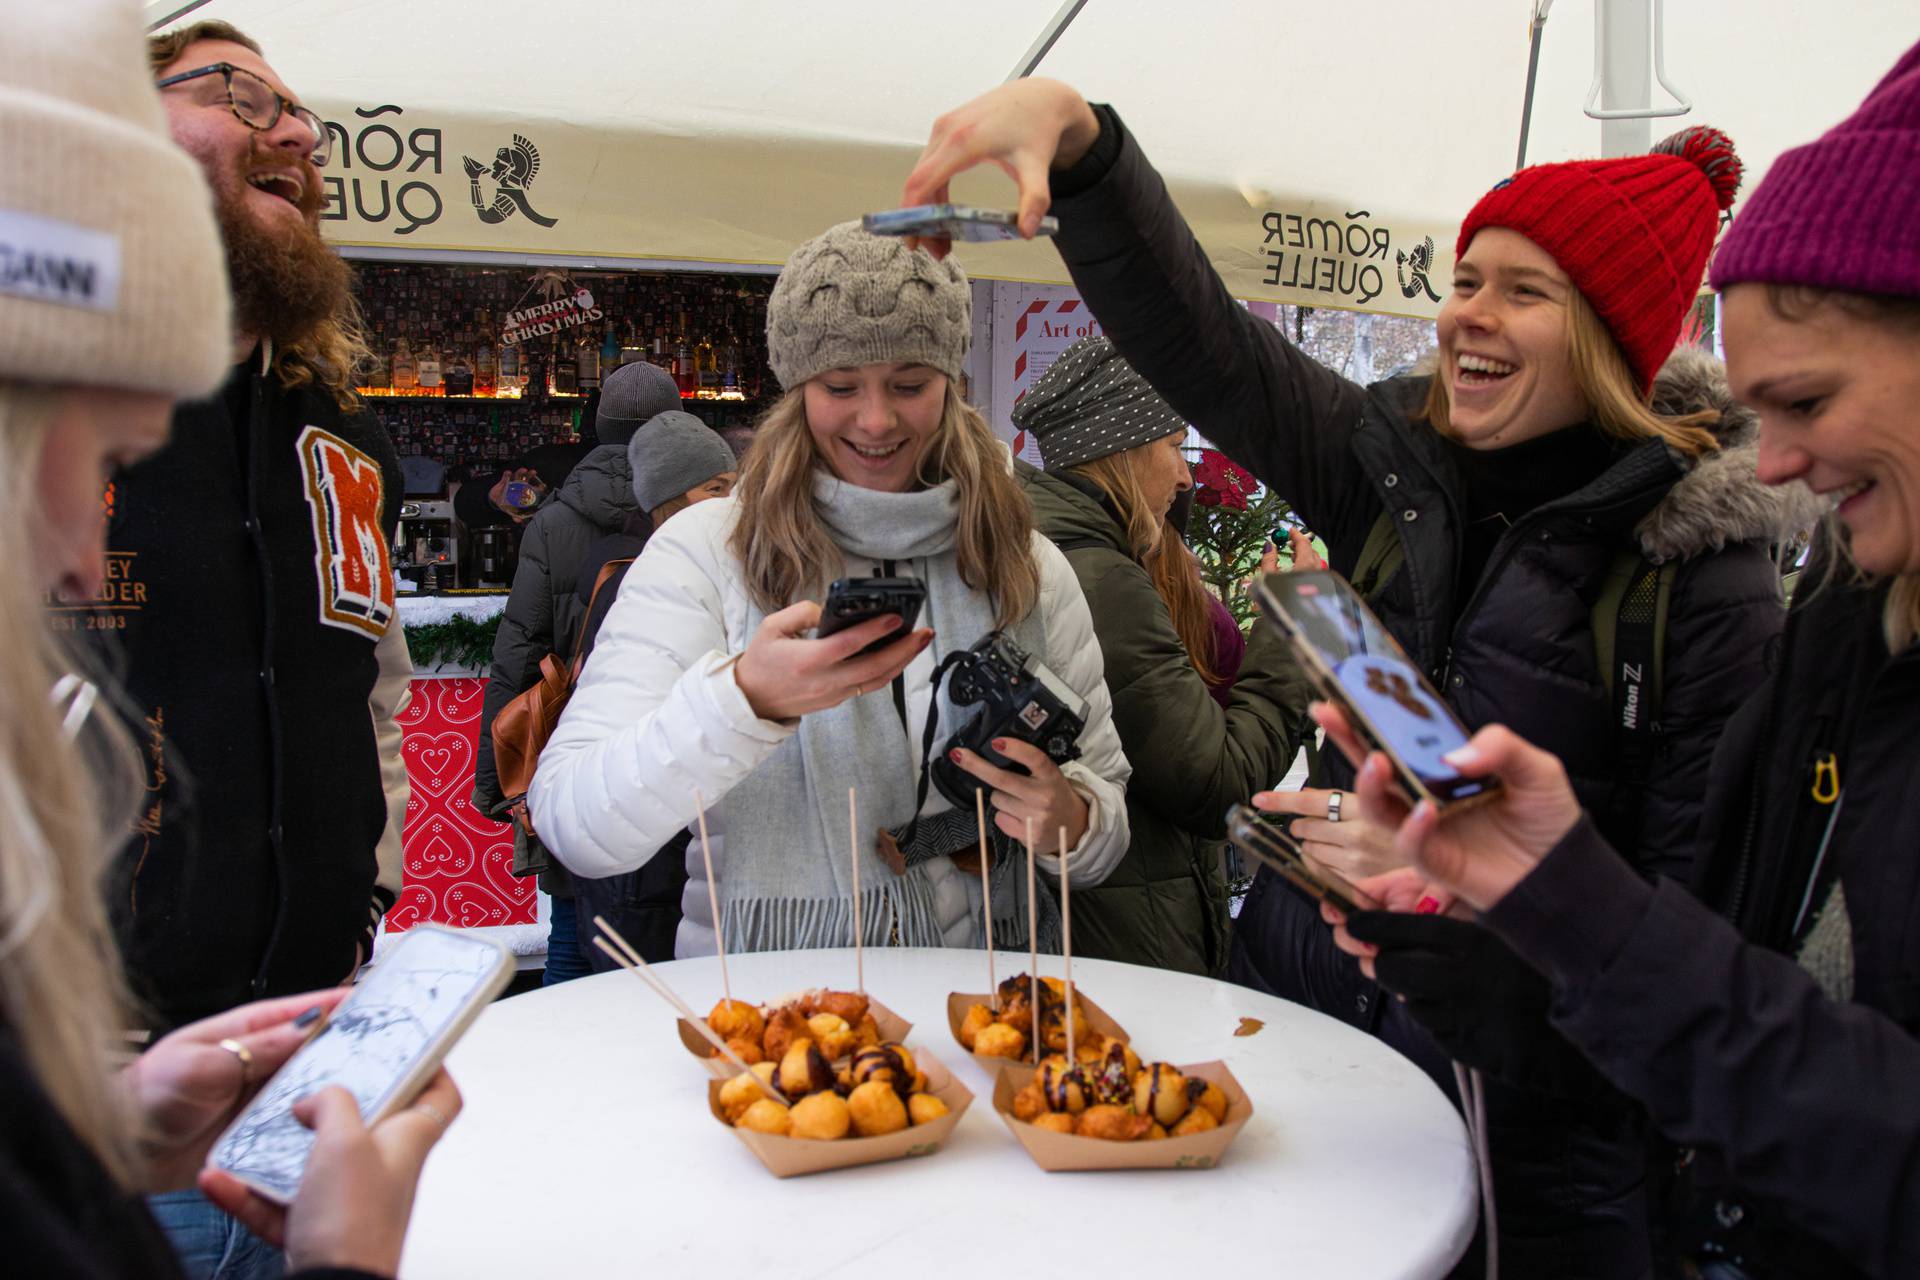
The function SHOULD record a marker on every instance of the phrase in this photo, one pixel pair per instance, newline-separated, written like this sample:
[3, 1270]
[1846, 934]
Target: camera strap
[926, 744]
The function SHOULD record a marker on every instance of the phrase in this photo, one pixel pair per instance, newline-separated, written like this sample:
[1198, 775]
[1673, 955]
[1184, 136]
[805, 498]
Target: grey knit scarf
[789, 876]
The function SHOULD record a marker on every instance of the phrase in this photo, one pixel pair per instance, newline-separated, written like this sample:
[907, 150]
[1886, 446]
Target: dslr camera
[1023, 700]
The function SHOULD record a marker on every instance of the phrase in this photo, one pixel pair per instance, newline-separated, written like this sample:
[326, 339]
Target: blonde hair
[785, 551]
[61, 991]
[1157, 546]
[1614, 402]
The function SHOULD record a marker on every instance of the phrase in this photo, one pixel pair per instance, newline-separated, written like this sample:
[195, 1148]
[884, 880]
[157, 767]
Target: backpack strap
[1629, 639]
[607, 570]
[1381, 556]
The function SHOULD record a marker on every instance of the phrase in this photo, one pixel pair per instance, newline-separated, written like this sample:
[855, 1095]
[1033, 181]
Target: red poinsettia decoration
[1222, 483]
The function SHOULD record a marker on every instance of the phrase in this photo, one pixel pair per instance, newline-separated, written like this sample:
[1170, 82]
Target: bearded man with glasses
[251, 605]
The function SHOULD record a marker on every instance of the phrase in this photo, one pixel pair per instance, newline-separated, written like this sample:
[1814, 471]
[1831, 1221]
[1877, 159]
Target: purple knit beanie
[1843, 211]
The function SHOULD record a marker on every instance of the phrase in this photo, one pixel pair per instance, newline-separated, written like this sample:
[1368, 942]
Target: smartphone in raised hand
[1358, 666]
[952, 222]
[382, 1044]
[1264, 838]
[852, 601]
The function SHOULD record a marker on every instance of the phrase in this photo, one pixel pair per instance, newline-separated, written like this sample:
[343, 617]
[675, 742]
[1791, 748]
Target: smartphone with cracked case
[382, 1044]
[1264, 838]
[1359, 667]
[952, 222]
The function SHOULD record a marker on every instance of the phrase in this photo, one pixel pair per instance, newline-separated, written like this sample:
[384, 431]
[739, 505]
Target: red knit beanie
[1633, 233]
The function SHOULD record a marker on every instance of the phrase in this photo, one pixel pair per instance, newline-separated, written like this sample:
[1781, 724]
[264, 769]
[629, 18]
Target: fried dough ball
[803, 1071]
[1113, 1123]
[766, 1116]
[783, 1028]
[1160, 1092]
[748, 1051]
[737, 1020]
[1064, 1088]
[923, 1108]
[1056, 1031]
[1110, 1079]
[1209, 1097]
[978, 1017]
[884, 1062]
[1054, 1122]
[822, 1117]
[1156, 1131]
[739, 1093]
[998, 1040]
[876, 1109]
[866, 1033]
[1198, 1120]
[850, 1006]
[1030, 1102]
[832, 1033]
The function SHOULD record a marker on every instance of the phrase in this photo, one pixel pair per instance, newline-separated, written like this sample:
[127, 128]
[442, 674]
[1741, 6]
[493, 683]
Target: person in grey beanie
[544, 612]
[707, 681]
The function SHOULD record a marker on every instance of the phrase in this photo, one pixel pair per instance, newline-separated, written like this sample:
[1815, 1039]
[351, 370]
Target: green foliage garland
[459, 641]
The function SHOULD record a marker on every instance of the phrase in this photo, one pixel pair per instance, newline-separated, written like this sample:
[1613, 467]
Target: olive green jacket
[1166, 903]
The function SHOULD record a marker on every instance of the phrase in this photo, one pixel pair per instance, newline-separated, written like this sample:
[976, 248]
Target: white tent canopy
[727, 131]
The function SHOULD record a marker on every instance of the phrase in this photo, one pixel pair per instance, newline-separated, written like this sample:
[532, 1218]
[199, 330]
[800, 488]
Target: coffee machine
[426, 554]
[496, 553]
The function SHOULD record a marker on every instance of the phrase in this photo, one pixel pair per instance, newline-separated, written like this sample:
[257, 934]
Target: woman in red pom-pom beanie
[1484, 508]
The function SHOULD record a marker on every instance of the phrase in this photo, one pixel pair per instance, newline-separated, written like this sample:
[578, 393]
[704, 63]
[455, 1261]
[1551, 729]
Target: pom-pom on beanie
[1632, 233]
[847, 298]
[111, 268]
[1843, 211]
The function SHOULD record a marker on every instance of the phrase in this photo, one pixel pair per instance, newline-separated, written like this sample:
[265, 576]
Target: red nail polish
[999, 744]
[1426, 906]
[954, 755]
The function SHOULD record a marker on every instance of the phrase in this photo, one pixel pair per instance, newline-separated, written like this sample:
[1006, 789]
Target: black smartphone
[1361, 668]
[1264, 838]
[953, 222]
[852, 601]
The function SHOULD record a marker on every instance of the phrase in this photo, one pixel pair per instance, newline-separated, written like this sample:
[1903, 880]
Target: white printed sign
[1032, 325]
[53, 261]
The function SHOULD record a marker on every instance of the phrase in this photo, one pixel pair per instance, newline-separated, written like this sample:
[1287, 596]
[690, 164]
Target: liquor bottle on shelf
[706, 365]
[459, 373]
[563, 371]
[485, 364]
[661, 352]
[634, 349]
[730, 361]
[509, 381]
[372, 374]
[683, 374]
[402, 370]
[587, 356]
[610, 354]
[427, 369]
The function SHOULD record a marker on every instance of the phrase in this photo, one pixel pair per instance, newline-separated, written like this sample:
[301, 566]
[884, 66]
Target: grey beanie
[847, 298]
[632, 395]
[1090, 403]
[672, 453]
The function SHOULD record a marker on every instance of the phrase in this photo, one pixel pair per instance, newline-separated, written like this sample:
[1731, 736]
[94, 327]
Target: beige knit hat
[848, 298]
[111, 267]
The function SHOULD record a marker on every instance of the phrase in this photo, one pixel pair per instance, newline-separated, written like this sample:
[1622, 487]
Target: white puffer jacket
[657, 716]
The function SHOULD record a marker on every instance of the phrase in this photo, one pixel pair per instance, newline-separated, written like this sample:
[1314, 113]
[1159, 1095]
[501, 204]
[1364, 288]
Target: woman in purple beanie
[1770, 1027]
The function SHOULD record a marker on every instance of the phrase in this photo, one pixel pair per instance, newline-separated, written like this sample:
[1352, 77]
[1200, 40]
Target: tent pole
[1048, 35]
[161, 12]
[1533, 70]
[1622, 33]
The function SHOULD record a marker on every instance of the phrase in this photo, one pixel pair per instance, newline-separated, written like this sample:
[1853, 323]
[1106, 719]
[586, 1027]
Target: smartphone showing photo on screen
[381, 1044]
[1359, 667]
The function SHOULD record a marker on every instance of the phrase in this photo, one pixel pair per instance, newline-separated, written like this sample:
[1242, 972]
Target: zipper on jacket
[259, 460]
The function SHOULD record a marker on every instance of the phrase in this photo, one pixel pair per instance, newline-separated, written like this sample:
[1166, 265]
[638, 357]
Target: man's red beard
[287, 282]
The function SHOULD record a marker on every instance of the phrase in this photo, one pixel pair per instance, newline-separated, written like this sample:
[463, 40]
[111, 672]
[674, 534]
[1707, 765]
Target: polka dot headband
[1090, 403]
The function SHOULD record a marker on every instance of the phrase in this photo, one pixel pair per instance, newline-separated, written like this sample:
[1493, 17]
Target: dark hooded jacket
[1515, 646]
[1166, 903]
[545, 611]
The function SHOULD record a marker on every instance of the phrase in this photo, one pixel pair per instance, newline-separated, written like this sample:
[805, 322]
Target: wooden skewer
[986, 895]
[853, 841]
[1066, 944]
[1033, 949]
[629, 959]
[713, 897]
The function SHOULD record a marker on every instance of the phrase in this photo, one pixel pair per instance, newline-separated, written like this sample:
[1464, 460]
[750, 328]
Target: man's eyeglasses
[257, 104]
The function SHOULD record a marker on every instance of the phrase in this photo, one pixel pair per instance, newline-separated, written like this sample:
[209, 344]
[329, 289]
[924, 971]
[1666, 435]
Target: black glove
[1484, 1005]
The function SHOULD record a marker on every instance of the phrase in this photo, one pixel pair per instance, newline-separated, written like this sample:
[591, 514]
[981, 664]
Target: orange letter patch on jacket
[349, 554]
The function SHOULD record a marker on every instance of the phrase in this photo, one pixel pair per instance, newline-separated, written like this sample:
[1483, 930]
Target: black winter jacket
[544, 611]
[251, 595]
[1803, 1108]
[1515, 648]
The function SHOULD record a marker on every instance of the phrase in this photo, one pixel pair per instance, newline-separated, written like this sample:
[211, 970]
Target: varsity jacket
[250, 606]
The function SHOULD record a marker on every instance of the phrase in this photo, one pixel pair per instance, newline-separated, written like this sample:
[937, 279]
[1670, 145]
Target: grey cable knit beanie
[633, 395]
[672, 453]
[848, 298]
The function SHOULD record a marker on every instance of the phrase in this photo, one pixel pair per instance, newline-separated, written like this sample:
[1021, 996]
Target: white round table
[586, 1147]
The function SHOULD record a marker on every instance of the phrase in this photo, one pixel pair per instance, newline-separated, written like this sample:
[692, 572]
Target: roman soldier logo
[1421, 260]
[514, 169]
[350, 559]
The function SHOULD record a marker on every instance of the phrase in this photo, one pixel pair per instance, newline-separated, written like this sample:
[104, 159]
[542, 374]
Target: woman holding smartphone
[1114, 466]
[1773, 1031]
[87, 385]
[1483, 505]
[706, 687]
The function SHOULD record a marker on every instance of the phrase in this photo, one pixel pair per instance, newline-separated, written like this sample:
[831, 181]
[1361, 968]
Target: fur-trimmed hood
[1720, 499]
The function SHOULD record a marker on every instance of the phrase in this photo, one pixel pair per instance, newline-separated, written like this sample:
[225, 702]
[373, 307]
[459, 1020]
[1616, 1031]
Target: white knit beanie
[111, 268]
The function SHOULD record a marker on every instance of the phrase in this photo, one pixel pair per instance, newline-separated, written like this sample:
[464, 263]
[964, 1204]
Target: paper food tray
[1097, 1018]
[1062, 1152]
